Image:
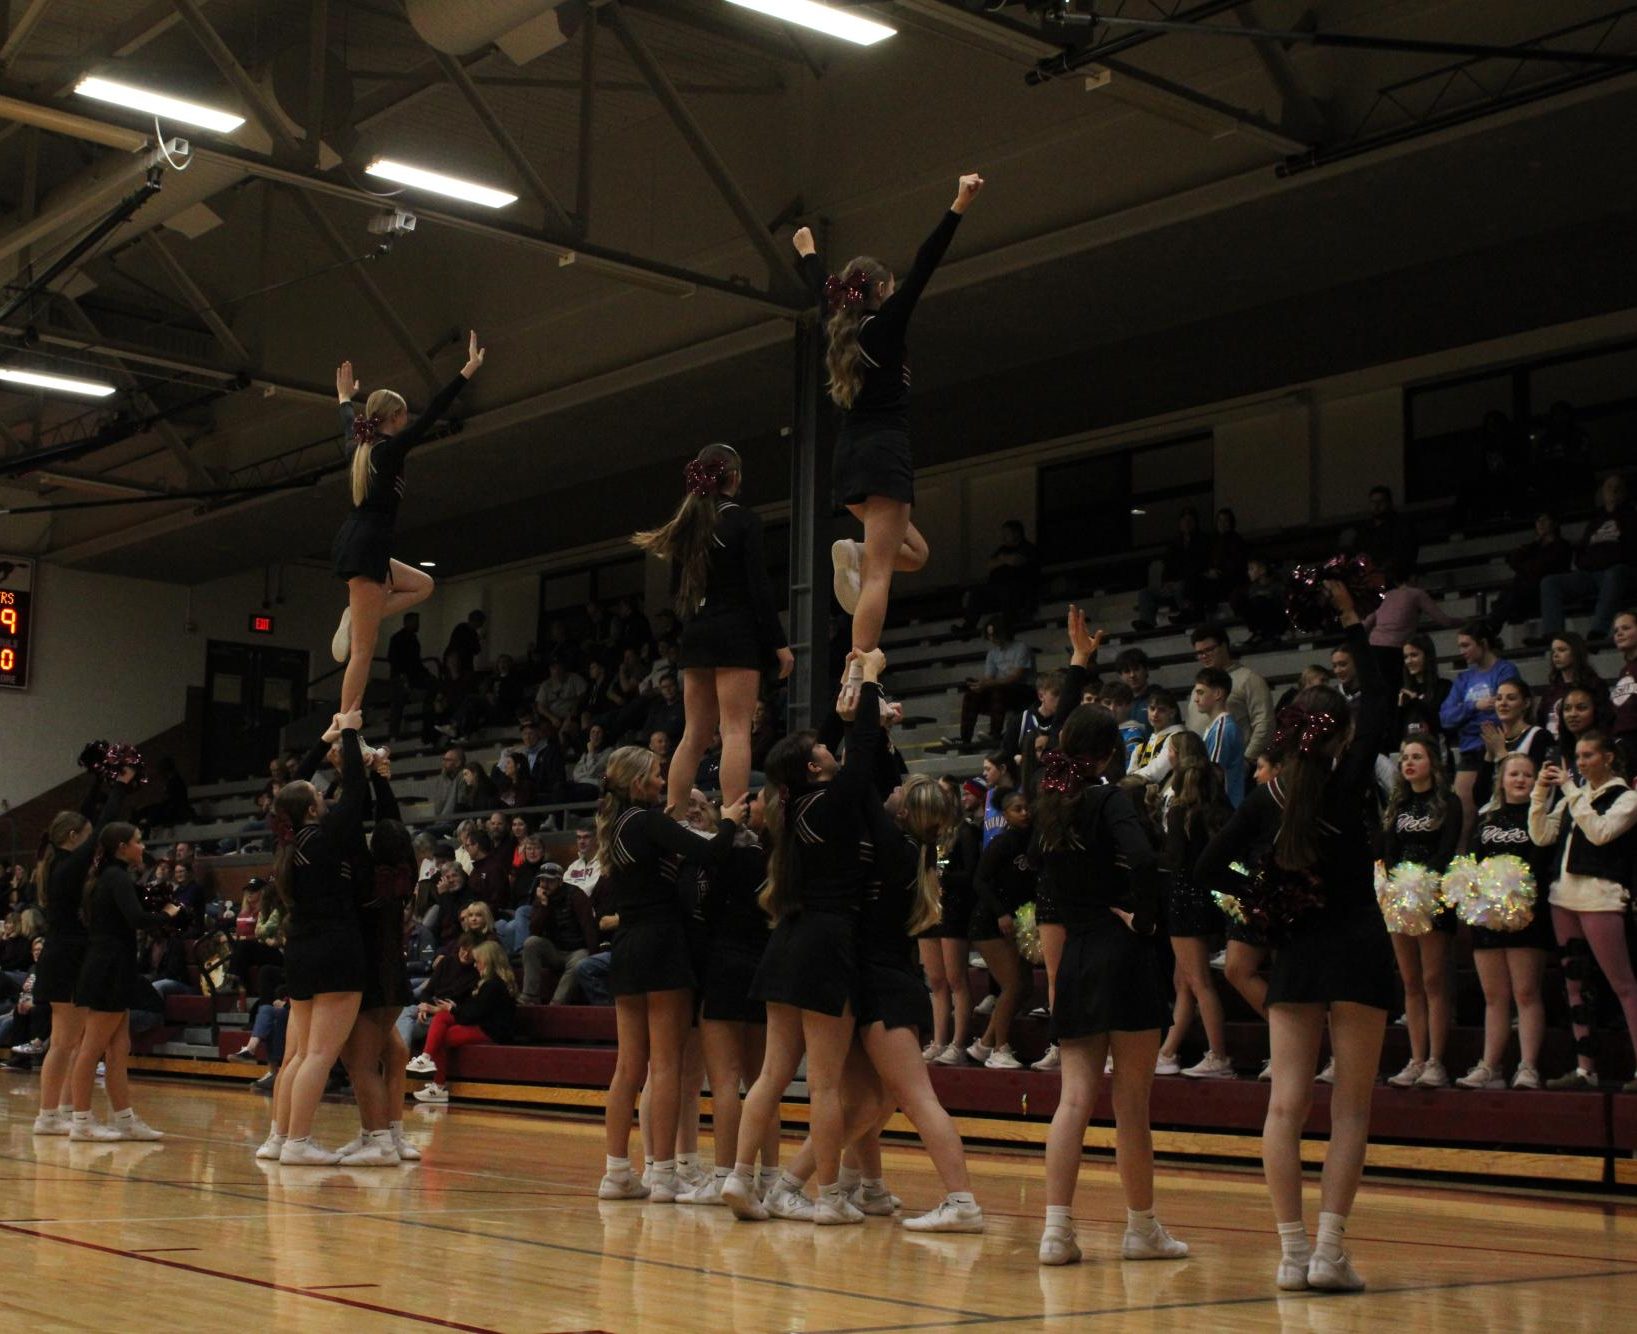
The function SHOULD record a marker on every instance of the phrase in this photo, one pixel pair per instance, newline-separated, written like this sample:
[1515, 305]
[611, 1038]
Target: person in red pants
[484, 1016]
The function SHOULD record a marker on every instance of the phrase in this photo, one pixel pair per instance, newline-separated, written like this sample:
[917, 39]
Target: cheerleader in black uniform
[113, 915]
[868, 323]
[650, 974]
[1511, 964]
[1103, 876]
[1317, 819]
[377, 585]
[1420, 827]
[324, 958]
[730, 628]
[1004, 882]
[60, 872]
[809, 973]
[944, 946]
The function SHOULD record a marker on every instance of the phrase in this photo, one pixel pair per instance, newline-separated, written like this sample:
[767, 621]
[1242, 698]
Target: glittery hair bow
[365, 429]
[283, 830]
[704, 476]
[845, 293]
[1303, 732]
[1066, 774]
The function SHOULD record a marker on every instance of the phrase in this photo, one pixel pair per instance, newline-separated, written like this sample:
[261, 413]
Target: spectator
[1570, 665]
[477, 790]
[1605, 564]
[410, 676]
[583, 872]
[513, 782]
[499, 827]
[1228, 562]
[1397, 618]
[591, 974]
[446, 784]
[173, 808]
[1007, 683]
[1040, 720]
[1260, 603]
[1511, 732]
[1544, 554]
[663, 665]
[560, 693]
[595, 705]
[487, 1015]
[630, 628]
[547, 771]
[490, 878]
[586, 782]
[1116, 697]
[1422, 690]
[1623, 697]
[1153, 762]
[660, 744]
[463, 655]
[1387, 537]
[27, 1029]
[1223, 741]
[1174, 580]
[1345, 671]
[663, 712]
[1250, 702]
[1132, 666]
[1013, 582]
[765, 733]
[562, 932]
[1469, 706]
[527, 862]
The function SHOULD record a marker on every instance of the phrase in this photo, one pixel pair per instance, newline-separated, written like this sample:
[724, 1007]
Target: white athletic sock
[665, 1166]
[303, 1139]
[1328, 1243]
[618, 1168]
[849, 1176]
[790, 1183]
[764, 1179]
[127, 1114]
[1057, 1215]
[84, 1118]
[1293, 1242]
[687, 1160]
[723, 1173]
[746, 1172]
[277, 1130]
[961, 1197]
[395, 1128]
[66, 1111]
[1140, 1220]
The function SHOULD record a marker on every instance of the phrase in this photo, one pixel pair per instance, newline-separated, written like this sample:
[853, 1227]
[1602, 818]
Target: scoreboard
[16, 620]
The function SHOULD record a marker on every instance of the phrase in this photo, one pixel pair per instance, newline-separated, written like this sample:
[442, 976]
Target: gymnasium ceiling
[1127, 224]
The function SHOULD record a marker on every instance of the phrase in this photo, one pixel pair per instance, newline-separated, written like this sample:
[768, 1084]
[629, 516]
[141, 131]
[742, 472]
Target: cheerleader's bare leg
[67, 1027]
[699, 710]
[99, 1033]
[897, 1059]
[887, 547]
[932, 964]
[737, 690]
[1527, 967]
[370, 602]
[956, 954]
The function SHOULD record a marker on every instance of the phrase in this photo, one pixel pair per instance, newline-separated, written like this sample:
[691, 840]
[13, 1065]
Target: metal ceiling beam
[21, 29]
[456, 74]
[195, 298]
[250, 94]
[769, 88]
[588, 119]
[1236, 116]
[318, 54]
[780, 268]
[1303, 112]
[376, 299]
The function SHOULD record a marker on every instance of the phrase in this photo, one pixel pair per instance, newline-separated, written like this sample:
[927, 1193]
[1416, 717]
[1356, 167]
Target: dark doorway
[252, 692]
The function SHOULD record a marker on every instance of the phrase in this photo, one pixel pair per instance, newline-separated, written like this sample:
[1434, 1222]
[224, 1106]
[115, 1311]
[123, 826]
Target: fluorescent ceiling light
[822, 18]
[428, 564]
[158, 104]
[438, 183]
[62, 384]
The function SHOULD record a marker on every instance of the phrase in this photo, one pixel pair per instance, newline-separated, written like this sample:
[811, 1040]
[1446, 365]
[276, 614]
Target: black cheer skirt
[811, 962]
[720, 637]
[1109, 981]
[730, 976]
[363, 546]
[1538, 935]
[651, 956]
[1331, 957]
[386, 981]
[954, 917]
[1190, 910]
[893, 993]
[58, 971]
[107, 977]
[872, 463]
[331, 960]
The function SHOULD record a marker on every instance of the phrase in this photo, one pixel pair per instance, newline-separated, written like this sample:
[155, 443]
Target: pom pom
[1308, 604]
[1026, 933]
[1459, 884]
[1274, 900]
[1230, 907]
[108, 759]
[1504, 896]
[1410, 899]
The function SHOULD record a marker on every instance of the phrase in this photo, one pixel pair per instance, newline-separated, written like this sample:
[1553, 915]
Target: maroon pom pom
[1308, 604]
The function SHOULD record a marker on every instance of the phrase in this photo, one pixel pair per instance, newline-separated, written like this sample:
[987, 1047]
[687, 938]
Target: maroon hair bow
[845, 293]
[283, 830]
[704, 477]
[365, 429]
[1303, 732]
[1066, 774]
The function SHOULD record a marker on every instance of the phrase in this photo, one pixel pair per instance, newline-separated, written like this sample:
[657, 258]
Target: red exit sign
[261, 623]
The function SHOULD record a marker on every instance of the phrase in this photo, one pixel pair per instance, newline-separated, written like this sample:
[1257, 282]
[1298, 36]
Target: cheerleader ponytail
[848, 299]
[109, 842]
[685, 540]
[786, 770]
[366, 430]
[64, 825]
[625, 766]
[929, 815]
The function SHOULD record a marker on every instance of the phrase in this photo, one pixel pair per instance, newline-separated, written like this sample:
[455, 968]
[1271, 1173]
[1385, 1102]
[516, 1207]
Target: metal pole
[588, 112]
[811, 446]
[318, 38]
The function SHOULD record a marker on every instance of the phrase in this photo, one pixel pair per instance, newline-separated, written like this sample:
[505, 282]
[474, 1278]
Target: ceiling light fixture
[1138, 512]
[438, 183]
[158, 104]
[822, 18]
[59, 383]
[428, 564]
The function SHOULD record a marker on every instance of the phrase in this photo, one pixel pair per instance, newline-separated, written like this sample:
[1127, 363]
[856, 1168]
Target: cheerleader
[809, 973]
[1316, 819]
[1110, 997]
[944, 946]
[1192, 807]
[730, 628]
[60, 872]
[1592, 830]
[377, 585]
[1511, 963]
[868, 360]
[1422, 825]
[113, 915]
[650, 973]
[1247, 947]
[1510, 733]
[1004, 882]
[326, 967]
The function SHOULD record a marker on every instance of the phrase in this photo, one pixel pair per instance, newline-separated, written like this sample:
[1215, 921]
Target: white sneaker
[341, 640]
[664, 1187]
[626, 1187]
[847, 557]
[834, 1209]
[133, 1127]
[376, 1151]
[1050, 1061]
[948, 1217]
[1155, 1244]
[1265, 1074]
[1527, 1077]
[1328, 1074]
[80, 1131]
[931, 1052]
[708, 1191]
[1211, 1067]
[1482, 1076]
[1432, 1076]
[1166, 1065]
[271, 1147]
[432, 1093]
[691, 1177]
[782, 1202]
[1003, 1059]
[739, 1196]
[876, 1201]
[1058, 1247]
[304, 1153]
[950, 1055]
[987, 1004]
[49, 1123]
[1336, 1275]
[1108, 1064]
[1291, 1276]
[422, 1065]
[1219, 961]
[354, 1144]
[980, 1053]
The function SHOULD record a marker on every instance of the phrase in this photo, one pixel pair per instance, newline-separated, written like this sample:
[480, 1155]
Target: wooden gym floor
[497, 1229]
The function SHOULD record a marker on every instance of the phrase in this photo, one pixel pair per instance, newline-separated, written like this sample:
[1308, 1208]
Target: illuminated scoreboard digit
[16, 620]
